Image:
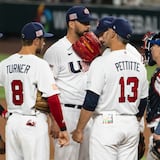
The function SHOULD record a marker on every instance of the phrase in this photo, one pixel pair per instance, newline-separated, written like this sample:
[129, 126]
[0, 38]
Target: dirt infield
[12, 45]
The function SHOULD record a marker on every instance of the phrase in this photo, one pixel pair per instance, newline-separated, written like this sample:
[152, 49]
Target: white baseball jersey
[121, 74]
[134, 51]
[66, 66]
[22, 76]
[121, 81]
[71, 81]
[131, 50]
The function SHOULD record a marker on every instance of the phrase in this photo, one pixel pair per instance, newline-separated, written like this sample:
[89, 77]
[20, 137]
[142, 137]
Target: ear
[113, 33]
[36, 41]
[71, 24]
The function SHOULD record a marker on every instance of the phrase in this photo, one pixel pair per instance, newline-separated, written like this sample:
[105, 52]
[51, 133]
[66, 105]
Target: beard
[38, 51]
[80, 33]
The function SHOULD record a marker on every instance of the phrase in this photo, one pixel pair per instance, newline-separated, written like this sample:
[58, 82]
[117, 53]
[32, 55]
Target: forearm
[89, 105]
[56, 111]
[85, 115]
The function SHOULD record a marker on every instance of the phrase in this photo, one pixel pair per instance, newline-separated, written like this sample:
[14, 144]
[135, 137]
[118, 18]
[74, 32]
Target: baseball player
[22, 75]
[71, 79]
[152, 44]
[117, 90]
[103, 23]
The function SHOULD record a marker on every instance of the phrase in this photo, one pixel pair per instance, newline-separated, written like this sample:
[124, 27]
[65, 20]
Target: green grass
[150, 71]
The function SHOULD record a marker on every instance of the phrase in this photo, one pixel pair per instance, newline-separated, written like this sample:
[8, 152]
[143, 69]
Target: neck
[118, 46]
[26, 50]
[72, 37]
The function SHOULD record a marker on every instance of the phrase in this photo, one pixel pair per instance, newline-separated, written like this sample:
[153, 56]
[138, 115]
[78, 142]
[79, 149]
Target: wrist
[63, 128]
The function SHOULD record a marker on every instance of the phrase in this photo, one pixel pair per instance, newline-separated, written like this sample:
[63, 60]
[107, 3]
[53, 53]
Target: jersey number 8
[17, 92]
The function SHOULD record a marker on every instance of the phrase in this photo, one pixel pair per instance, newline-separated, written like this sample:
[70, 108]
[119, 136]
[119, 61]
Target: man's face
[155, 51]
[81, 28]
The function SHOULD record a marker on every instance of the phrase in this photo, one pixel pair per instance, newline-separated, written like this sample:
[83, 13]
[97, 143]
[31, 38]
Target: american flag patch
[39, 33]
[86, 11]
[73, 16]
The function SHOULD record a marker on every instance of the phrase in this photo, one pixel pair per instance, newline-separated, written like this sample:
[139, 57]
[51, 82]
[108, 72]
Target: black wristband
[1, 109]
[63, 129]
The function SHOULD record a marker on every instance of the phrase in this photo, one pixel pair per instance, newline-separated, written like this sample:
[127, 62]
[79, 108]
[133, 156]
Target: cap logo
[73, 16]
[86, 11]
[39, 33]
[114, 27]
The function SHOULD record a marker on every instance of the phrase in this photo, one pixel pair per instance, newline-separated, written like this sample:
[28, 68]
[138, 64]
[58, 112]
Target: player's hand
[63, 138]
[77, 136]
[54, 129]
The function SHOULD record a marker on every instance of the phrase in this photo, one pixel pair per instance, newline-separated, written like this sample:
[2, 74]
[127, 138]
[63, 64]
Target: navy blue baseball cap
[156, 41]
[122, 27]
[34, 30]
[1, 35]
[79, 13]
[103, 25]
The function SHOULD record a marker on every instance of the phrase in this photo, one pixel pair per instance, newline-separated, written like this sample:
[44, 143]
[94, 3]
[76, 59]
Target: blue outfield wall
[14, 15]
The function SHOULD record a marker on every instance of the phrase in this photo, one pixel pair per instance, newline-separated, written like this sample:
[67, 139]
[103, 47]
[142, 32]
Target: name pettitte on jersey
[18, 68]
[127, 65]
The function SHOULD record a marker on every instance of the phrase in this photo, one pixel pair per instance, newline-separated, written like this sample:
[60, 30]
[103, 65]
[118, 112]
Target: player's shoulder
[59, 44]
[99, 61]
[57, 47]
[133, 50]
[39, 60]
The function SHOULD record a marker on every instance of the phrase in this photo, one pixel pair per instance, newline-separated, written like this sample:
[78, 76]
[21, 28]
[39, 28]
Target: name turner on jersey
[18, 68]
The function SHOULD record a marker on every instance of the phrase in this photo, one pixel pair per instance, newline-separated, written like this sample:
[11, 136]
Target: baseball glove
[87, 47]
[141, 146]
[41, 103]
[2, 146]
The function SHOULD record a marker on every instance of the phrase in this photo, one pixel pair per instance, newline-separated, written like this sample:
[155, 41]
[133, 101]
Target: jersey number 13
[132, 83]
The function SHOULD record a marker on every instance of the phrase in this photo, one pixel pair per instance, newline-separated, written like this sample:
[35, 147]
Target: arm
[54, 129]
[141, 107]
[56, 111]
[77, 134]
[90, 103]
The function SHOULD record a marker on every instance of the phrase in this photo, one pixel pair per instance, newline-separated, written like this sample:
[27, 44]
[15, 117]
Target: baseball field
[3, 55]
